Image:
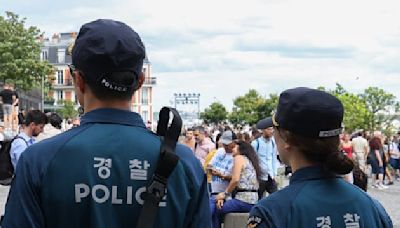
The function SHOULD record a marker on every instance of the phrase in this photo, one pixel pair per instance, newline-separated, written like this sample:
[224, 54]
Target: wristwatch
[227, 194]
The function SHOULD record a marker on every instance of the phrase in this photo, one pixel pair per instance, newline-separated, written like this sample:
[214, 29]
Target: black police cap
[104, 47]
[309, 112]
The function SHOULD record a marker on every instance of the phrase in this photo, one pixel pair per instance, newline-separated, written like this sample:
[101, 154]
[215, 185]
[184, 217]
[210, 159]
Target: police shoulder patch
[253, 221]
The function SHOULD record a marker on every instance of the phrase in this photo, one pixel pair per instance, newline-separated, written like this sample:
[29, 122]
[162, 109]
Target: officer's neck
[298, 161]
[91, 103]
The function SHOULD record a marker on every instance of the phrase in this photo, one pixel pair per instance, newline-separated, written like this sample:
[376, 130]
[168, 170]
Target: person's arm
[15, 100]
[275, 161]
[366, 148]
[18, 146]
[392, 151]
[378, 156]
[220, 175]
[23, 207]
[260, 218]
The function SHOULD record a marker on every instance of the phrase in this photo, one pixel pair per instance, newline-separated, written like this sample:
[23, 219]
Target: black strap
[246, 190]
[19, 137]
[169, 134]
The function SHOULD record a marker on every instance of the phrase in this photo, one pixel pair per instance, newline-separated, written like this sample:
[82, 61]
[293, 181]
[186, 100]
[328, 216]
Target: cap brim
[225, 141]
[264, 123]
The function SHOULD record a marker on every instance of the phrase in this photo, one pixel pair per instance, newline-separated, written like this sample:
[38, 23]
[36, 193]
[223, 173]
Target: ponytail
[338, 163]
[324, 151]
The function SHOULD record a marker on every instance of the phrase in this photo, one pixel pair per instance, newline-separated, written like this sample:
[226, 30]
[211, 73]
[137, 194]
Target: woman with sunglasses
[241, 193]
[307, 125]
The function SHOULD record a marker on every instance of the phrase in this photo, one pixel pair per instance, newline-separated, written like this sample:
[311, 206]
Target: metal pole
[42, 103]
[198, 107]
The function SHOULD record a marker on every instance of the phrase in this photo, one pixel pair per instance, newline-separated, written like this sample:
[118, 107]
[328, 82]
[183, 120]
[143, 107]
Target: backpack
[169, 132]
[6, 167]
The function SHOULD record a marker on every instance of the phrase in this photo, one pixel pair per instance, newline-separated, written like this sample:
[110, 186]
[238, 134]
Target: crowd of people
[102, 172]
[220, 149]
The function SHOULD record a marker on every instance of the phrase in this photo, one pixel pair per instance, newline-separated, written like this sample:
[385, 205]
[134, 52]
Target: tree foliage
[356, 114]
[68, 110]
[245, 110]
[267, 107]
[382, 105]
[215, 113]
[20, 53]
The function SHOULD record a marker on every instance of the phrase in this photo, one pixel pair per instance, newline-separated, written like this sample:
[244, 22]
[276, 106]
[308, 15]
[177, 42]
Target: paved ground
[389, 198]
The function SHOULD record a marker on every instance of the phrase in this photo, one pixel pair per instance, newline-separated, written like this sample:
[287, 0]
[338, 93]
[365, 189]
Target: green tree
[382, 105]
[245, 109]
[356, 114]
[68, 110]
[20, 54]
[215, 113]
[267, 107]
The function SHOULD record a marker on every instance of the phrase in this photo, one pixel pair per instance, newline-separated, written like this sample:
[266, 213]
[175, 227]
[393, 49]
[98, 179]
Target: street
[389, 198]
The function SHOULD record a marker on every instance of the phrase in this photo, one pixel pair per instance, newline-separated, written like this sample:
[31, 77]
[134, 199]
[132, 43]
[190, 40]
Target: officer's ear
[140, 81]
[79, 81]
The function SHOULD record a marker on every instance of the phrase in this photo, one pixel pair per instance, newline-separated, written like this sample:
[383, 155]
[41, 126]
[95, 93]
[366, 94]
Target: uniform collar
[115, 116]
[310, 173]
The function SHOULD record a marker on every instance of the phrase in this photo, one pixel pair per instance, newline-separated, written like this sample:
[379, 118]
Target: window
[145, 116]
[44, 55]
[60, 95]
[60, 77]
[61, 55]
[145, 96]
[144, 71]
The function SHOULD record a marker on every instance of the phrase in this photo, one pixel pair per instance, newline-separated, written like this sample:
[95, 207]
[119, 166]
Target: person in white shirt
[395, 156]
[52, 128]
[360, 150]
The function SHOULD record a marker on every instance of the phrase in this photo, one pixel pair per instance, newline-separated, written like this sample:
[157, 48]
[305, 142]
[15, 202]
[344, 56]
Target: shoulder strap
[258, 144]
[19, 137]
[166, 163]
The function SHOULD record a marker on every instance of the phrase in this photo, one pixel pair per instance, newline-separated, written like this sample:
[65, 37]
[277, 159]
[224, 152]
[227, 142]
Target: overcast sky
[223, 48]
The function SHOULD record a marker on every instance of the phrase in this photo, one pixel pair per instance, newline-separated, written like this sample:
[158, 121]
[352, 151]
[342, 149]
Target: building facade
[57, 51]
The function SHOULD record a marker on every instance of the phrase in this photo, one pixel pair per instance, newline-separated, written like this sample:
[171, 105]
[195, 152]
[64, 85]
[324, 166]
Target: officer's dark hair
[322, 150]
[35, 116]
[119, 78]
[55, 120]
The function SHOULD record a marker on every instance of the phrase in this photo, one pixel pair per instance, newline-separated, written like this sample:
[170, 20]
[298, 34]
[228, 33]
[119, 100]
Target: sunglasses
[72, 70]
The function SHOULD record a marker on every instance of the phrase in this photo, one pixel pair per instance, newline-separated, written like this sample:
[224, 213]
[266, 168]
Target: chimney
[55, 38]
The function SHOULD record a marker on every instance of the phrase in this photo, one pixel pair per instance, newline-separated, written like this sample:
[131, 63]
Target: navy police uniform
[317, 199]
[316, 196]
[94, 176]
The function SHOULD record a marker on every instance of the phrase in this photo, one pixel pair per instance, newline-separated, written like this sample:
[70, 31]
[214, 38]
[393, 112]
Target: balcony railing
[150, 81]
[66, 83]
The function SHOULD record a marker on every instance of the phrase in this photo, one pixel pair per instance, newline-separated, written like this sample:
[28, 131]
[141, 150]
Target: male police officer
[94, 175]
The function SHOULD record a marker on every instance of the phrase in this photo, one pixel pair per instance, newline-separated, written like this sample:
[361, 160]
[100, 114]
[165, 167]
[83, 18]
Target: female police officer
[307, 127]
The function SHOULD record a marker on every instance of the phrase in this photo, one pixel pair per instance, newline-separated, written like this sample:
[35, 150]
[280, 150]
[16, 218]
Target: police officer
[307, 126]
[94, 175]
